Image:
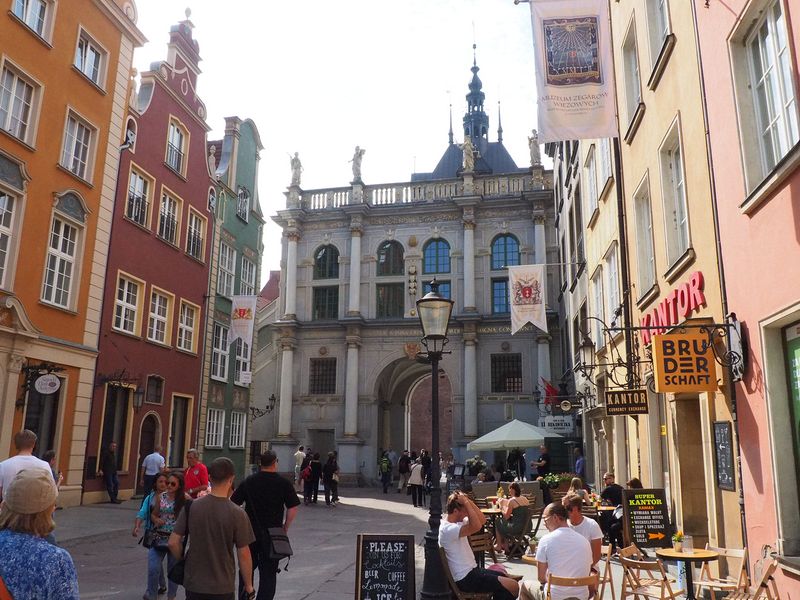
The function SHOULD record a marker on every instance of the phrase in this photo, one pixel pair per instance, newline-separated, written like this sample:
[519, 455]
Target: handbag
[277, 546]
[335, 477]
[177, 572]
[149, 538]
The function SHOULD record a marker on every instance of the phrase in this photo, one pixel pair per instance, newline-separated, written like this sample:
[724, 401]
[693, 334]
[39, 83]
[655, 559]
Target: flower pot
[677, 546]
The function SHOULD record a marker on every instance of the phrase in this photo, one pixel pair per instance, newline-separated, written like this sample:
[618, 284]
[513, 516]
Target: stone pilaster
[351, 383]
[287, 389]
[469, 259]
[543, 356]
[356, 230]
[470, 385]
[293, 235]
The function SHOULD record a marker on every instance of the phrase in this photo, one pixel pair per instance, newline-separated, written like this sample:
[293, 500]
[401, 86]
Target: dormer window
[243, 204]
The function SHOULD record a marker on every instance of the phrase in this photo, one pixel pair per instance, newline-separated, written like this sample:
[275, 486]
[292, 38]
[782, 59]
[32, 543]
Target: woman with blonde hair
[30, 566]
[576, 487]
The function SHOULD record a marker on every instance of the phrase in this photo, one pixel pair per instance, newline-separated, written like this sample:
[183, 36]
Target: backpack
[306, 473]
[386, 465]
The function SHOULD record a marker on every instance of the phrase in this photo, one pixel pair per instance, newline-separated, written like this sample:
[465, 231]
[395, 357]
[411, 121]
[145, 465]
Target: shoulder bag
[277, 546]
[177, 572]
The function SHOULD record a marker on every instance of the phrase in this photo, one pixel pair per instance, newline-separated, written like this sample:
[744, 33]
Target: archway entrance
[403, 391]
[147, 443]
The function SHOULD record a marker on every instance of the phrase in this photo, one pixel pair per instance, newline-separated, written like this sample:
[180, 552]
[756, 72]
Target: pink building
[750, 51]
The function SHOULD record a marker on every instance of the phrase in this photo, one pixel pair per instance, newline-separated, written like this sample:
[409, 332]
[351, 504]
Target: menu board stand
[646, 518]
[385, 568]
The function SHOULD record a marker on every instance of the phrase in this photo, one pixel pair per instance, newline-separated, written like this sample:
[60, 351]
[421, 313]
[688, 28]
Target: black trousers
[267, 574]
[417, 495]
[202, 596]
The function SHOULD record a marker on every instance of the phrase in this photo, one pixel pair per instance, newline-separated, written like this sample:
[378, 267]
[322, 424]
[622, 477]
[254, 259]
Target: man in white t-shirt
[299, 457]
[152, 465]
[562, 552]
[25, 442]
[588, 528]
[463, 519]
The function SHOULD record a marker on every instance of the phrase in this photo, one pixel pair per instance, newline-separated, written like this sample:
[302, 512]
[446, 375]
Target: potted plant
[475, 465]
[677, 541]
[558, 481]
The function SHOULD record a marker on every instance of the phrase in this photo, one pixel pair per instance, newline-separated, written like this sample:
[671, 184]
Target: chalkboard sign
[646, 518]
[723, 455]
[385, 567]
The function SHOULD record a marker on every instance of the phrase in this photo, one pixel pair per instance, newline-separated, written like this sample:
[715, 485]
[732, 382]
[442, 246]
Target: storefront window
[115, 421]
[41, 417]
[792, 339]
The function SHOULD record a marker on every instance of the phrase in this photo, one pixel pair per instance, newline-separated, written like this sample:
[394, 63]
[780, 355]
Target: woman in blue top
[143, 516]
[164, 513]
[31, 567]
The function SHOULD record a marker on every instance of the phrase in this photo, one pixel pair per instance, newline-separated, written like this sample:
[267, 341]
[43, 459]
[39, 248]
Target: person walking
[269, 502]
[30, 566]
[404, 469]
[24, 442]
[313, 481]
[216, 527]
[385, 470]
[143, 518]
[330, 480]
[415, 482]
[580, 463]
[196, 474]
[153, 464]
[108, 471]
[299, 457]
[166, 508]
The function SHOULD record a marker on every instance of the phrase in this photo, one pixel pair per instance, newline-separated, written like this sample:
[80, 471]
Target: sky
[319, 77]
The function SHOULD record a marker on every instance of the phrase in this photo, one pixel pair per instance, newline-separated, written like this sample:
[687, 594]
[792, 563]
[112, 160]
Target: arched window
[437, 257]
[505, 252]
[326, 262]
[390, 258]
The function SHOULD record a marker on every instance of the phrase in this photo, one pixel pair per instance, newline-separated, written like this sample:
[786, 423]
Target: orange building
[64, 82]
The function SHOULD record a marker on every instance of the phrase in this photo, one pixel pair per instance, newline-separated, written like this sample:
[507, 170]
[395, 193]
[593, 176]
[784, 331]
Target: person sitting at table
[481, 477]
[612, 493]
[634, 484]
[562, 552]
[488, 475]
[576, 487]
[588, 528]
[463, 519]
[514, 517]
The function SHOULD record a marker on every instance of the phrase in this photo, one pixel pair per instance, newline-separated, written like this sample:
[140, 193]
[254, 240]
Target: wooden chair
[655, 586]
[481, 542]
[633, 552]
[457, 593]
[517, 543]
[606, 578]
[536, 515]
[737, 581]
[767, 589]
[569, 582]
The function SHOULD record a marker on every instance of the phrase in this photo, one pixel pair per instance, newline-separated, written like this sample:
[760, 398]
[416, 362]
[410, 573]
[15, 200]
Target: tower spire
[450, 134]
[476, 121]
[499, 124]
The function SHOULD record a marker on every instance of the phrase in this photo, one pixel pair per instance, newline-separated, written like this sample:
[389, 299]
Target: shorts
[482, 580]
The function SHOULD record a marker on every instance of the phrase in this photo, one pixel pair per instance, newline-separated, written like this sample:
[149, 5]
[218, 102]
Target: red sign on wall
[674, 307]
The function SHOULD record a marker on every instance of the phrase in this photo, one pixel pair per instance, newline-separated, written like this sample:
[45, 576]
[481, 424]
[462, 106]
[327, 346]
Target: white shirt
[298, 458]
[415, 478]
[567, 554]
[10, 467]
[589, 529]
[153, 463]
[459, 555]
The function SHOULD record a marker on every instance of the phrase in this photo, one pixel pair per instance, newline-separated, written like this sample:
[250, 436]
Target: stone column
[351, 384]
[469, 260]
[354, 304]
[620, 444]
[287, 392]
[470, 386]
[540, 250]
[291, 274]
[543, 349]
[8, 401]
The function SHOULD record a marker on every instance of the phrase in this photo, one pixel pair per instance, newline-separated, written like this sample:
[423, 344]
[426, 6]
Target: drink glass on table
[688, 543]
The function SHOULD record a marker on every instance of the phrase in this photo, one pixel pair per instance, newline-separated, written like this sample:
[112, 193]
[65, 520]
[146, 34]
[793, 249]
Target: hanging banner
[684, 362]
[527, 295]
[243, 314]
[574, 70]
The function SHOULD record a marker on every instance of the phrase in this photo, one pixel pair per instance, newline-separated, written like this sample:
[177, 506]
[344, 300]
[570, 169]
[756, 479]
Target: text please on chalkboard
[385, 567]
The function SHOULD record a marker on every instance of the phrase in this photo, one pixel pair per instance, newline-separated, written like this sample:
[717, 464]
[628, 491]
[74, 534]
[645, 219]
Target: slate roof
[494, 159]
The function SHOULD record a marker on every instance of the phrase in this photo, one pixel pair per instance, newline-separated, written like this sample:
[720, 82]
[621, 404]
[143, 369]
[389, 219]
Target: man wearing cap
[31, 567]
[25, 442]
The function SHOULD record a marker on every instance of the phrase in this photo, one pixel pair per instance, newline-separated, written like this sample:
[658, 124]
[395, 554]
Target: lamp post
[434, 315]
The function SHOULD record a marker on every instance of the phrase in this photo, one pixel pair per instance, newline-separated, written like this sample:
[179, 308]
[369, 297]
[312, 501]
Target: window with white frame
[60, 265]
[18, 95]
[126, 305]
[243, 204]
[247, 285]
[175, 147]
[591, 179]
[8, 205]
[168, 219]
[673, 185]
[611, 272]
[242, 362]
[215, 427]
[238, 429]
[219, 353]
[90, 58]
[78, 141]
[158, 320]
[227, 270]
[598, 309]
[657, 26]
[645, 252]
[772, 82]
[187, 325]
[36, 14]
[137, 206]
[195, 235]
[605, 162]
[630, 62]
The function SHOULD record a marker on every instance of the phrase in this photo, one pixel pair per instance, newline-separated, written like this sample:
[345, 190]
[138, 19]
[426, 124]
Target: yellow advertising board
[684, 362]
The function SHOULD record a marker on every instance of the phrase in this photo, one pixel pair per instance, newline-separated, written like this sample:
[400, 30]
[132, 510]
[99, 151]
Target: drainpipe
[720, 272]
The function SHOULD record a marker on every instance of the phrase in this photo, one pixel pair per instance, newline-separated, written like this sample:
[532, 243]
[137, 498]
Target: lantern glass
[434, 315]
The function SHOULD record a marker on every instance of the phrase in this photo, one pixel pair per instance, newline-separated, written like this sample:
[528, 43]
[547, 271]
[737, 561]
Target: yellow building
[64, 82]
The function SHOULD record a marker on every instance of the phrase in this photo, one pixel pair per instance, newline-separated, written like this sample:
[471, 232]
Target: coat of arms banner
[527, 296]
[243, 314]
[574, 69]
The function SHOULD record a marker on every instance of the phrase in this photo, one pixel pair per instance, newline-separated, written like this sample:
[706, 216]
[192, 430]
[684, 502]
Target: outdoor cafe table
[530, 559]
[699, 556]
[492, 514]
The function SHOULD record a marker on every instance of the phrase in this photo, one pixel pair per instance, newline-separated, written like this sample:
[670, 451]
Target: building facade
[238, 248]
[59, 156]
[750, 60]
[147, 384]
[357, 258]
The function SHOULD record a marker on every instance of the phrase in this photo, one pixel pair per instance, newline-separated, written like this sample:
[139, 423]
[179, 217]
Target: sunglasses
[173, 483]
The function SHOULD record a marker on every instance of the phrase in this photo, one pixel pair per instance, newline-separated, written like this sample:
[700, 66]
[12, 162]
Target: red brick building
[147, 383]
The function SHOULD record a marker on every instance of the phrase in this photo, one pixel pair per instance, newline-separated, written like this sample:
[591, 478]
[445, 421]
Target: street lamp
[434, 315]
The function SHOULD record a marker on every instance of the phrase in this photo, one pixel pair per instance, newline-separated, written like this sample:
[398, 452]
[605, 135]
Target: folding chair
[655, 586]
[606, 578]
[737, 581]
[569, 582]
[457, 593]
[536, 514]
[767, 588]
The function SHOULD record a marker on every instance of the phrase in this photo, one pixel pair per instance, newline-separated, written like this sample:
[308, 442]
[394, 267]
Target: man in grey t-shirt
[215, 526]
